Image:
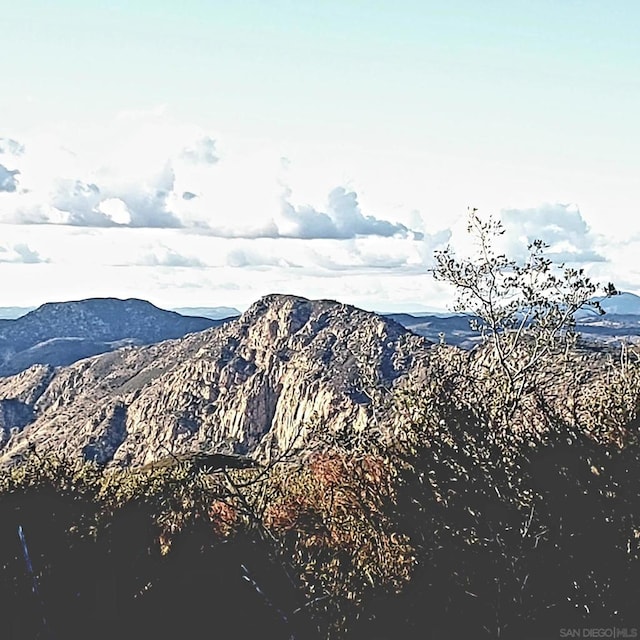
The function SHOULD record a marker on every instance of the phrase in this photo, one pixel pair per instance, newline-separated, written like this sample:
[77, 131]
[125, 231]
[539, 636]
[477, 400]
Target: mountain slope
[250, 386]
[62, 333]
[214, 313]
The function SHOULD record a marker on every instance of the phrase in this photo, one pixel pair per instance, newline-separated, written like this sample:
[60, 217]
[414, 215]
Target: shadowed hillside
[64, 332]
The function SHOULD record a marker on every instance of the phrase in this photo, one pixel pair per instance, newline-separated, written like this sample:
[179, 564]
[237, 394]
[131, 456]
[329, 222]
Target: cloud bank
[148, 176]
[180, 211]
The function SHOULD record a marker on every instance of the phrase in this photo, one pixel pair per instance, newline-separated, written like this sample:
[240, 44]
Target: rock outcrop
[251, 387]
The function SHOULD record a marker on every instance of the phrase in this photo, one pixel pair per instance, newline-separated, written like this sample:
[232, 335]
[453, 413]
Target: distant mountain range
[214, 313]
[11, 313]
[61, 333]
[624, 303]
[608, 329]
[621, 321]
[64, 332]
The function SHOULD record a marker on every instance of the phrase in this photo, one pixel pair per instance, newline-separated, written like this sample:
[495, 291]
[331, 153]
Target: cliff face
[64, 332]
[251, 386]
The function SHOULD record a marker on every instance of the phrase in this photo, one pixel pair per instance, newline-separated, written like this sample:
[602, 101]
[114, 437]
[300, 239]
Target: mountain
[11, 313]
[214, 313]
[622, 304]
[63, 332]
[250, 386]
[621, 321]
[455, 328]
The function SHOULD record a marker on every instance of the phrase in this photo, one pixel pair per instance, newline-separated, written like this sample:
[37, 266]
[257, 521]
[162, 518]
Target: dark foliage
[449, 525]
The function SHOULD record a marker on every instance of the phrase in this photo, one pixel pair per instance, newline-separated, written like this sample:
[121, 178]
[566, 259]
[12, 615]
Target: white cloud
[8, 180]
[20, 253]
[144, 171]
[166, 257]
[10, 146]
[342, 220]
[184, 216]
[202, 151]
[561, 226]
[116, 210]
[246, 257]
[77, 203]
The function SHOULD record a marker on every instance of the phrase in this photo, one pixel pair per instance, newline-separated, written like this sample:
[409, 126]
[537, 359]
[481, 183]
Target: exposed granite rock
[18, 396]
[248, 387]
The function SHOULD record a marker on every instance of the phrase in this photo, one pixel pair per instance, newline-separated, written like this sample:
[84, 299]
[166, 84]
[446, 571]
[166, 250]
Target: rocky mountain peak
[283, 317]
[251, 386]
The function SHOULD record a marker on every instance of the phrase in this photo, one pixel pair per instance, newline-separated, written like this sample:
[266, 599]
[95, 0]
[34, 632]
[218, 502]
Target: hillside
[247, 387]
[64, 332]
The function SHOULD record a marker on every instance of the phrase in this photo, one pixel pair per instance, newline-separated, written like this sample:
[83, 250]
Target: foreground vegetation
[497, 495]
[452, 524]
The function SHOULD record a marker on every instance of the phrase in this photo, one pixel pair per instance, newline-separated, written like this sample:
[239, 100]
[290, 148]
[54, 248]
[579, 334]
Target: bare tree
[523, 311]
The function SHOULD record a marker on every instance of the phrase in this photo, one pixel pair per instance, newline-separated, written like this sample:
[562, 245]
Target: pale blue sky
[421, 108]
[400, 66]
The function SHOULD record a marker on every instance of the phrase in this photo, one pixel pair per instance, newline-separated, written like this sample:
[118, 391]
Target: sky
[207, 153]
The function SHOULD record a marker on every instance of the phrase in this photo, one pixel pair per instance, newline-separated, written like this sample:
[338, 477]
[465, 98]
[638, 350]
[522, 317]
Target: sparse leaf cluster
[524, 311]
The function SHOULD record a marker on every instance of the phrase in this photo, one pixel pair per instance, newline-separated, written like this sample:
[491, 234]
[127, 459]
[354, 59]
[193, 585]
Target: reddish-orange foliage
[334, 468]
[284, 515]
[329, 469]
[333, 489]
[223, 517]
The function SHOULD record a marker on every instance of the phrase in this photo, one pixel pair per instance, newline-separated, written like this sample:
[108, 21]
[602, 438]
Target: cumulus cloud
[561, 226]
[343, 220]
[76, 181]
[77, 204]
[8, 182]
[21, 253]
[150, 174]
[348, 219]
[203, 151]
[430, 243]
[116, 210]
[87, 205]
[10, 146]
